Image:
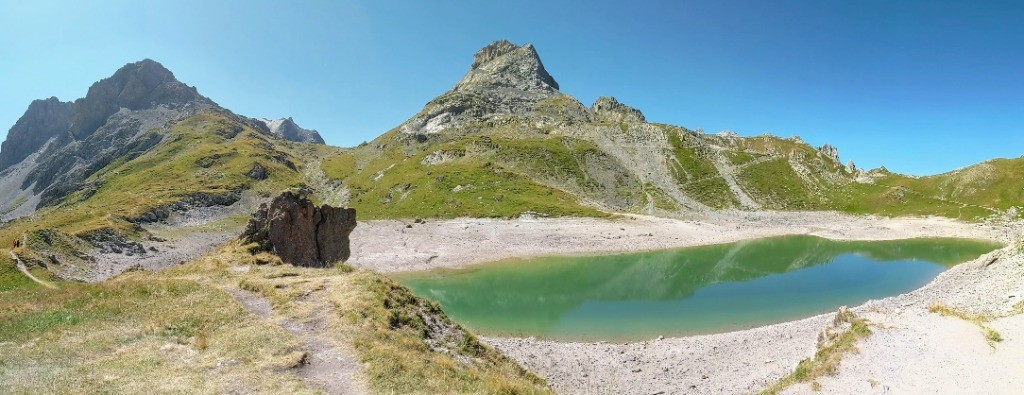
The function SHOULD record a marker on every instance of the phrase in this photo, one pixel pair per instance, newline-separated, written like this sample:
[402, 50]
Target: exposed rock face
[830, 152]
[502, 64]
[504, 80]
[136, 86]
[43, 120]
[610, 110]
[287, 129]
[300, 232]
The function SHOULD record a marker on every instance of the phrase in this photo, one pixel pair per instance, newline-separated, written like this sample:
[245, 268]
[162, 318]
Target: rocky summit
[300, 232]
[504, 80]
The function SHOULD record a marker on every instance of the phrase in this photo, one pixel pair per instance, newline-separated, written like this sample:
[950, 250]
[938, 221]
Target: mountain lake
[689, 291]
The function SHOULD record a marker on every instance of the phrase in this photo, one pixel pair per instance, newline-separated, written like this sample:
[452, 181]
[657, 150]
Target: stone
[258, 172]
[301, 233]
[136, 86]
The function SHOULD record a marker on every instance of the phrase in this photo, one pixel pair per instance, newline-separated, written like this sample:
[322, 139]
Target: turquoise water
[699, 290]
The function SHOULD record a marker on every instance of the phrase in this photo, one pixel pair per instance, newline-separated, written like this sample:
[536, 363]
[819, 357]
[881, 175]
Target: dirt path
[331, 368]
[24, 270]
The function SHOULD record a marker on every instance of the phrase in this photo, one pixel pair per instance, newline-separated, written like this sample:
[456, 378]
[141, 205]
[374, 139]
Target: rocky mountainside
[56, 147]
[504, 141]
[90, 182]
[44, 120]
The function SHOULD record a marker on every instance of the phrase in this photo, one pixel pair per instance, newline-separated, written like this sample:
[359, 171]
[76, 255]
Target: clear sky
[921, 87]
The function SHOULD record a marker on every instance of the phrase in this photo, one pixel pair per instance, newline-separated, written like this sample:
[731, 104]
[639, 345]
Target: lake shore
[396, 246]
[945, 353]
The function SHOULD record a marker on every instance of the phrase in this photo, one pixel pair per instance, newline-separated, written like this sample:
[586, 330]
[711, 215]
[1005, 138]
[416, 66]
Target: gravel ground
[394, 246]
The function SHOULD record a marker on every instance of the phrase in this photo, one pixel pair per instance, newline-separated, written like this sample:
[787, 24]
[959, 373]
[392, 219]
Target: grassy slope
[698, 176]
[178, 331]
[393, 182]
[505, 170]
[195, 156]
[138, 335]
[995, 184]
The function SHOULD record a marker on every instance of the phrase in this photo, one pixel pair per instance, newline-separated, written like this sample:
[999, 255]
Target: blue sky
[921, 87]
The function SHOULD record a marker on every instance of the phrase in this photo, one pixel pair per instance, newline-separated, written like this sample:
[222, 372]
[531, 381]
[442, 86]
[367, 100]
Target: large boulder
[300, 232]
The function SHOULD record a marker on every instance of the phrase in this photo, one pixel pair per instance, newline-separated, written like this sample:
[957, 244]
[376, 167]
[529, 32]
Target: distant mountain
[89, 180]
[505, 141]
[121, 118]
[287, 129]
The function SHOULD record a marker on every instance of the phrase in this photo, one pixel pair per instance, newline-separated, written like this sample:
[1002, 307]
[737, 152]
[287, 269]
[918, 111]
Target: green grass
[394, 183]
[996, 184]
[393, 332]
[399, 361]
[10, 277]
[138, 335]
[740, 158]
[776, 185]
[194, 157]
[696, 175]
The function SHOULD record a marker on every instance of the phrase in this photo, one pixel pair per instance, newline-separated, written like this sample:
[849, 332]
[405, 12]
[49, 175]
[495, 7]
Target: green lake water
[700, 290]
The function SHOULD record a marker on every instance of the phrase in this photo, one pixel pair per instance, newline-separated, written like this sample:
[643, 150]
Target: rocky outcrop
[831, 152]
[300, 232]
[610, 110]
[287, 129]
[189, 203]
[43, 120]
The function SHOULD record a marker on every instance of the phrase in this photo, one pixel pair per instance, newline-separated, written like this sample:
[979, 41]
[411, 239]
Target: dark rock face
[108, 241]
[300, 232]
[44, 120]
[190, 202]
[136, 86]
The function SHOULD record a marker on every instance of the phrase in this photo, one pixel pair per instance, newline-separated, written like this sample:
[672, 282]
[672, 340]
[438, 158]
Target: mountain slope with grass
[506, 142]
[140, 166]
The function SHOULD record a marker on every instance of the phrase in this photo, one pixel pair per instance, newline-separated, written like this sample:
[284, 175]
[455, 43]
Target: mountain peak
[502, 64]
[140, 85]
[504, 80]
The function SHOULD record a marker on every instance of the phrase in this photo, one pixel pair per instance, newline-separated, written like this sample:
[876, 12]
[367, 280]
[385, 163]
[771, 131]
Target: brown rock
[300, 232]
